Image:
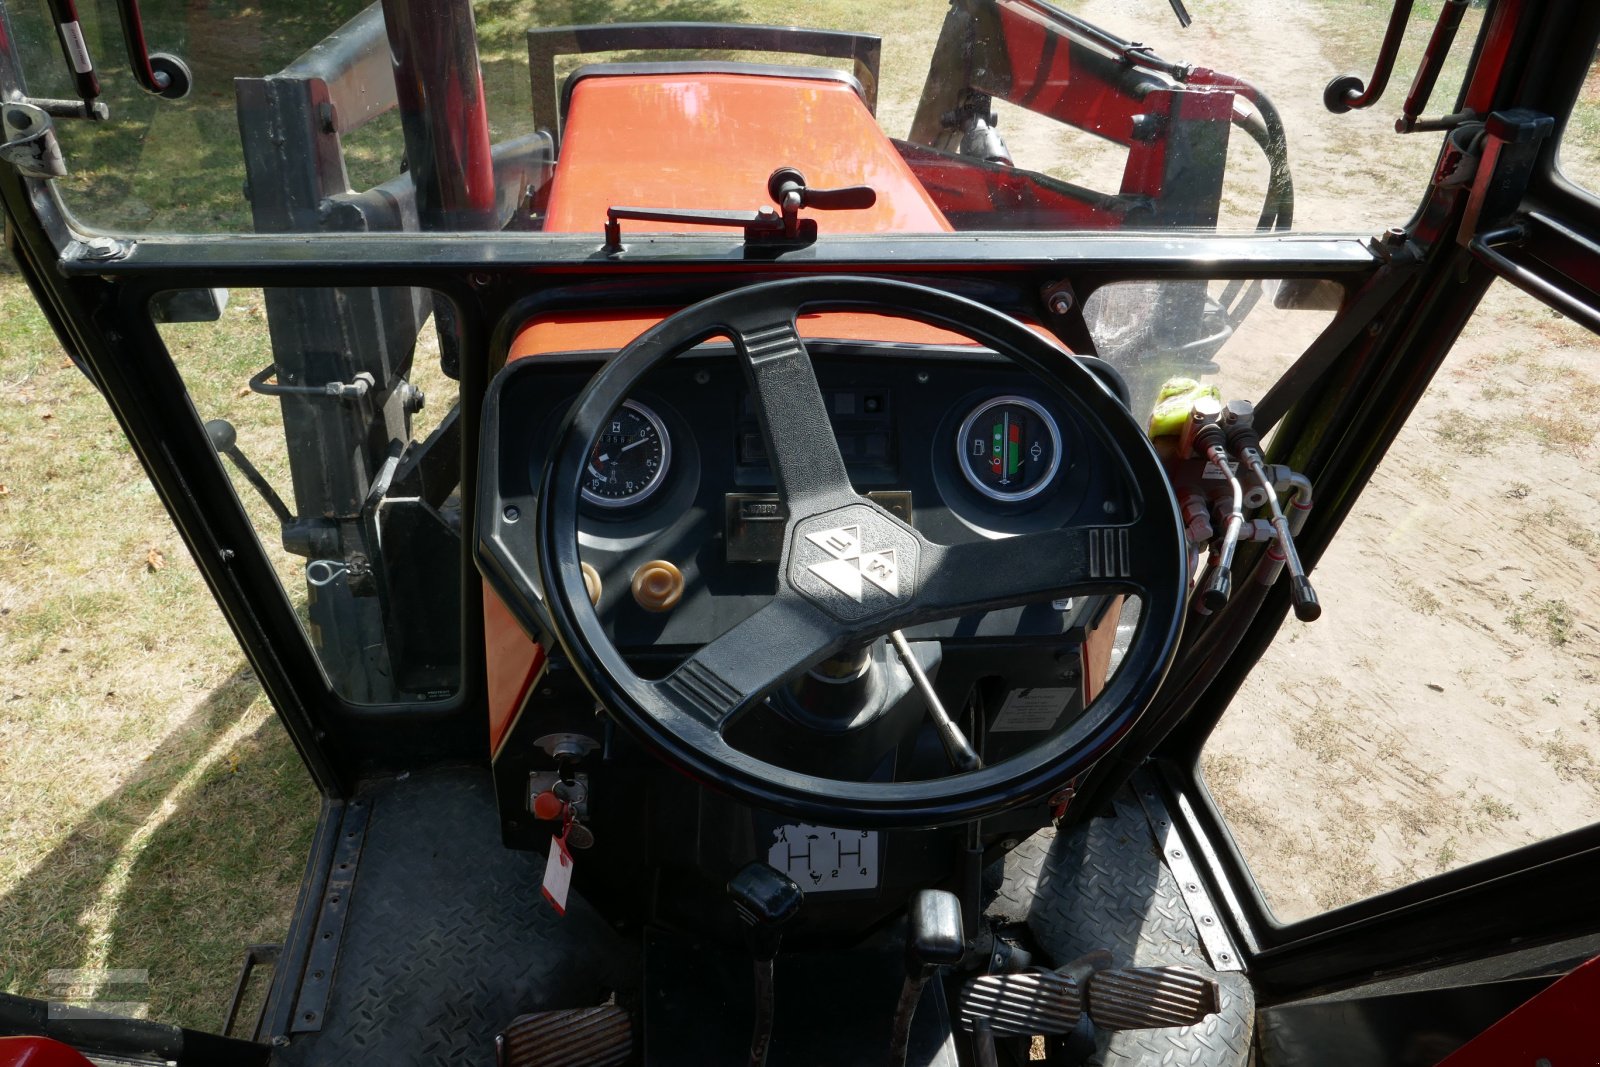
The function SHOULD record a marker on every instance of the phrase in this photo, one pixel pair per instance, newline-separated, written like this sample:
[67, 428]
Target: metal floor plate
[447, 938]
[1104, 885]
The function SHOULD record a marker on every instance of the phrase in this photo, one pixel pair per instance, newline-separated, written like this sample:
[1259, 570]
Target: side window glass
[1579, 154]
[1446, 708]
[332, 412]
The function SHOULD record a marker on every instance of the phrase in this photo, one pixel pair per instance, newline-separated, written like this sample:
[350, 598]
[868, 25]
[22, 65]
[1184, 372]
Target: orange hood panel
[711, 140]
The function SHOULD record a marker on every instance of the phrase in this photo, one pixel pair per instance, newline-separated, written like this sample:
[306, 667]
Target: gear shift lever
[767, 900]
[933, 939]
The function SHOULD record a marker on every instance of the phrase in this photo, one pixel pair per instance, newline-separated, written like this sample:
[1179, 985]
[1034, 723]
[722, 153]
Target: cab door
[1395, 808]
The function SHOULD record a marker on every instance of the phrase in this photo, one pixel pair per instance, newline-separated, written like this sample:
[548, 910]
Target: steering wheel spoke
[800, 443]
[728, 675]
[987, 575]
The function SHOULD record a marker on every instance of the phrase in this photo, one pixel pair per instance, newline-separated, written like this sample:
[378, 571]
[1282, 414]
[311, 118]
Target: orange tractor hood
[704, 140]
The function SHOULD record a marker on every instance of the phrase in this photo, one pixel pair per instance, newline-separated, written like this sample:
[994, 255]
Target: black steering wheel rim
[675, 719]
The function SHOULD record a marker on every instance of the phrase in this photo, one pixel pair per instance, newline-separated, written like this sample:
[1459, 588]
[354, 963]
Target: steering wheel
[683, 717]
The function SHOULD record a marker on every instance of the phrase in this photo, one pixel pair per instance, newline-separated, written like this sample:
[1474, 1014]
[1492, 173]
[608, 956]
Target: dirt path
[1444, 708]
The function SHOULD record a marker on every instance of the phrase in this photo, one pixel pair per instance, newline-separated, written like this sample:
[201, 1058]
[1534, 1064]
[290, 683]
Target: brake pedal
[1139, 998]
[575, 1037]
[1051, 1002]
[1027, 1002]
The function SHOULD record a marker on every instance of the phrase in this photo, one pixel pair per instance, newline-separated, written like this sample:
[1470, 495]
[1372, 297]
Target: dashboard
[960, 443]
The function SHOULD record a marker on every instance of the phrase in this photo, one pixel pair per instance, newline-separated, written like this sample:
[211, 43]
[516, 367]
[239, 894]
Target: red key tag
[558, 874]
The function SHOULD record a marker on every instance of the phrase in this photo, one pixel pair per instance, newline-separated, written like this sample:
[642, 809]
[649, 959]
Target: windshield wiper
[765, 225]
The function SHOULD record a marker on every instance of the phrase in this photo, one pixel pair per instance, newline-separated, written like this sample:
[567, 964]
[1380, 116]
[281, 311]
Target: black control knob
[767, 900]
[933, 935]
[223, 435]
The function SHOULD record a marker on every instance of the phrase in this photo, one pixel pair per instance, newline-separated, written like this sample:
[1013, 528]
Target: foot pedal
[576, 1037]
[1028, 1002]
[1140, 998]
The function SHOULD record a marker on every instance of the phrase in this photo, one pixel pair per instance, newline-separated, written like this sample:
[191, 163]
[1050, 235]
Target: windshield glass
[982, 115]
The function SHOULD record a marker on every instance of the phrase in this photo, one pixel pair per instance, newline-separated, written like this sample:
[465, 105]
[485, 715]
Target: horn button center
[854, 562]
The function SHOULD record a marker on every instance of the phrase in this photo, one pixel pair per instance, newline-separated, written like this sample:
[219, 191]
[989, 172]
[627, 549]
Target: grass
[1569, 759]
[1466, 434]
[157, 816]
[1421, 600]
[1550, 619]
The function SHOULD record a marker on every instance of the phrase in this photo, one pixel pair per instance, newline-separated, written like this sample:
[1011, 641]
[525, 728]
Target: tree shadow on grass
[219, 872]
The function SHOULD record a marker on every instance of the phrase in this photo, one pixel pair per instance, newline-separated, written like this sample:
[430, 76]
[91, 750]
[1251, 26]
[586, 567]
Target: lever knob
[786, 180]
[1307, 608]
[1215, 595]
[934, 935]
[223, 435]
[767, 900]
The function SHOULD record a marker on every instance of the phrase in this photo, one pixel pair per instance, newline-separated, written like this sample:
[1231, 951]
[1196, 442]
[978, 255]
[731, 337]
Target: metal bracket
[1175, 854]
[316, 984]
[254, 956]
[31, 144]
[347, 391]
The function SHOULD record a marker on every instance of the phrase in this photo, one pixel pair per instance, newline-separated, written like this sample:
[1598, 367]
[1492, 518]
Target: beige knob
[658, 585]
[591, 582]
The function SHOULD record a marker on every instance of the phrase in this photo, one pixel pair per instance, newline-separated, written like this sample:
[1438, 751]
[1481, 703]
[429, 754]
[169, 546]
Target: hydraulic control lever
[934, 939]
[1207, 449]
[1246, 444]
[1210, 441]
[767, 900]
[226, 441]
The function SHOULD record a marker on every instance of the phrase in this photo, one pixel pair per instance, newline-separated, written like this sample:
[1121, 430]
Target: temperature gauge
[629, 459]
[1009, 448]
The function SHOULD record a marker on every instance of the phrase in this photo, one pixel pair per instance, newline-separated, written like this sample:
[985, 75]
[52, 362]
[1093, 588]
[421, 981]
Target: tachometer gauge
[1009, 448]
[629, 461]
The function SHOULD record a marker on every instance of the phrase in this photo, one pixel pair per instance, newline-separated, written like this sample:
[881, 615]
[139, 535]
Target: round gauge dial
[629, 460]
[1009, 448]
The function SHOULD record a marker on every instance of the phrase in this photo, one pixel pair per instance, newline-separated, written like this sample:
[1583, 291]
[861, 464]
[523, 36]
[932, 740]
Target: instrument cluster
[680, 521]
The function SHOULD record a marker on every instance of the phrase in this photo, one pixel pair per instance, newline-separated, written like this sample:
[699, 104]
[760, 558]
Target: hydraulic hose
[1277, 213]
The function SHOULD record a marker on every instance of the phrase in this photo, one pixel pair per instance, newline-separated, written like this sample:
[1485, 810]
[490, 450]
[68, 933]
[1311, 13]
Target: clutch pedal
[575, 1037]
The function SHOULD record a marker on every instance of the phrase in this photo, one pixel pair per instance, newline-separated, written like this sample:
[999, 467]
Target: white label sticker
[823, 859]
[558, 875]
[1214, 471]
[76, 48]
[1032, 709]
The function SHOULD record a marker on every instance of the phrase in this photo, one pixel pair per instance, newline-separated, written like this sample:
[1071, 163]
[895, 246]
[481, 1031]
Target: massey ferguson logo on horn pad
[850, 565]
[854, 562]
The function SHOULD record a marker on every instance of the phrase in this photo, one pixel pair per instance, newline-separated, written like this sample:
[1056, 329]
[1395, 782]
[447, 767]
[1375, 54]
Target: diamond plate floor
[1103, 885]
[447, 938]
